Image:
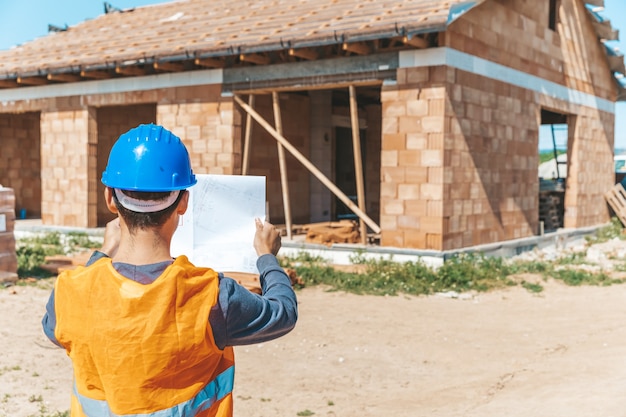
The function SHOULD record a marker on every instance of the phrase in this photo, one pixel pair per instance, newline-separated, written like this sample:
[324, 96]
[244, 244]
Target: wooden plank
[8, 84]
[304, 53]
[329, 235]
[98, 75]
[359, 48]
[358, 162]
[168, 66]
[65, 78]
[415, 41]
[210, 63]
[308, 165]
[246, 141]
[32, 80]
[284, 180]
[616, 197]
[255, 59]
[130, 70]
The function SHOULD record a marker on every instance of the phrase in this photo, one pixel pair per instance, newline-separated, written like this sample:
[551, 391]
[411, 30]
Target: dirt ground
[557, 353]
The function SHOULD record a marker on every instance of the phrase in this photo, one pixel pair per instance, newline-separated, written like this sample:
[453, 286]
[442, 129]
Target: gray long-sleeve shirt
[240, 317]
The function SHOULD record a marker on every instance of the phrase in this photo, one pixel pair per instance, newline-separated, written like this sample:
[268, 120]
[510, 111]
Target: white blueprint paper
[218, 228]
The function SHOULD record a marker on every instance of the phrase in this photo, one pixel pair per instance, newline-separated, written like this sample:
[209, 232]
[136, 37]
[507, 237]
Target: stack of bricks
[8, 257]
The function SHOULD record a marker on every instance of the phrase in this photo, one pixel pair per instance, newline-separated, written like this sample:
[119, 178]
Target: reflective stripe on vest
[213, 392]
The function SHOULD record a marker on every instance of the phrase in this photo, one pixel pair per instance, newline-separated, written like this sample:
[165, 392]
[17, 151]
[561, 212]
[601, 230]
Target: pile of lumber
[327, 233]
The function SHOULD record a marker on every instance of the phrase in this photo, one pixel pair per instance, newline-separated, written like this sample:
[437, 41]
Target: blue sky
[25, 20]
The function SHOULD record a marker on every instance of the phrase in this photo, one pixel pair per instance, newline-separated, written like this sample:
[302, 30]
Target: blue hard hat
[149, 158]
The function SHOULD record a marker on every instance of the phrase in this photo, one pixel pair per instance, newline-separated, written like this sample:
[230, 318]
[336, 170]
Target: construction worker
[149, 335]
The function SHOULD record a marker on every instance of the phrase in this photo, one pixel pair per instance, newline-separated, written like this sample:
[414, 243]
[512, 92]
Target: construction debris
[344, 231]
[616, 197]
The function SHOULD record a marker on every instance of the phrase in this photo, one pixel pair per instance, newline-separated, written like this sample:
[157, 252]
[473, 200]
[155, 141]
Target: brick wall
[459, 150]
[65, 167]
[264, 155]
[372, 170]
[321, 149]
[412, 160]
[8, 258]
[516, 34]
[208, 124]
[492, 158]
[20, 160]
[112, 122]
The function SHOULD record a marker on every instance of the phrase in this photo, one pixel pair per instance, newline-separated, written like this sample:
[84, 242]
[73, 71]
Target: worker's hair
[142, 221]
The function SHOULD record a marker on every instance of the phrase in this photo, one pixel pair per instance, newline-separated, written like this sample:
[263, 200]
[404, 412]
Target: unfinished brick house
[420, 117]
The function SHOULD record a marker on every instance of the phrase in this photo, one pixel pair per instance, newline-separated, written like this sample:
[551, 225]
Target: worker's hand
[266, 238]
[111, 237]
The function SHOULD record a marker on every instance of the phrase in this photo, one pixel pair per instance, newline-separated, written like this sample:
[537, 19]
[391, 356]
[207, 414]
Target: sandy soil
[514, 353]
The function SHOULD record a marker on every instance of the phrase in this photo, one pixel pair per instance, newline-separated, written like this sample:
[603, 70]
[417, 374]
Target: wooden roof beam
[168, 66]
[8, 84]
[359, 48]
[129, 70]
[209, 63]
[255, 58]
[98, 75]
[616, 64]
[304, 53]
[415, 41]
[32, 80]
[64, 78]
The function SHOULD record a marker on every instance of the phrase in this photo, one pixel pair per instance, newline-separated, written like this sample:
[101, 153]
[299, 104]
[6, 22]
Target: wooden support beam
[210, 63]
[309, 165]
[64, 78]
[415, 41]
[8, 84]
[358, 161]
[169, 66]
[32, 80]
[246, 141]
[282, 163]
[359, 48]
[255, 59]
[304, 53]
[130, 70]
[98, 75]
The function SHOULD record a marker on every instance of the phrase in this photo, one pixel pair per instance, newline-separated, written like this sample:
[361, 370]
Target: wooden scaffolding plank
[616, 197]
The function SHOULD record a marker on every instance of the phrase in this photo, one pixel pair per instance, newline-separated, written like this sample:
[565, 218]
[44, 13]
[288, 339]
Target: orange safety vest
[143, 350]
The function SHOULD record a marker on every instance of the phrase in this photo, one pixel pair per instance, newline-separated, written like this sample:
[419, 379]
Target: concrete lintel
[489, 69]
[116, 85]
[369, 64]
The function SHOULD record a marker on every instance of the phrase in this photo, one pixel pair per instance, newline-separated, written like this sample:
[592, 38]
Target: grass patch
[470, 272]
[611, 231]
[463, 273]
[31, 251]
[545, 156]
